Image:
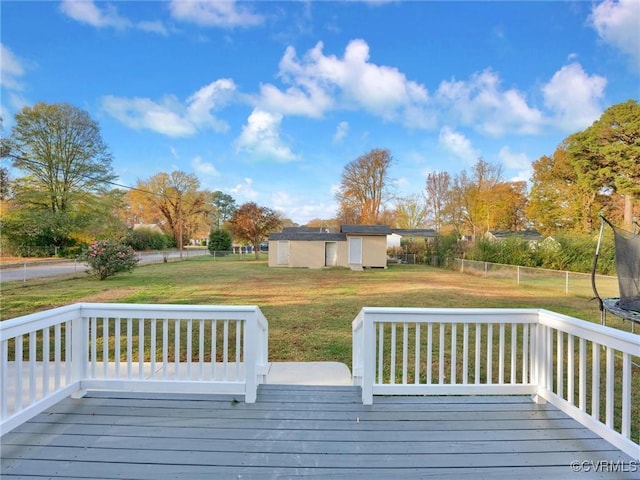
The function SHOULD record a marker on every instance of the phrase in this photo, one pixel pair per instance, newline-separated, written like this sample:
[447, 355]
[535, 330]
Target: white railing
[583, 368]
[47, 356]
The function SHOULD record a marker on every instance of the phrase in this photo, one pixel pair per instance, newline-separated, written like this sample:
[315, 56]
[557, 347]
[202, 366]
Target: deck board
[299, 431]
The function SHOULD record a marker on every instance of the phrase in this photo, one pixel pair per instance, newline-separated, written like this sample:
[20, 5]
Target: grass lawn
[309, 311]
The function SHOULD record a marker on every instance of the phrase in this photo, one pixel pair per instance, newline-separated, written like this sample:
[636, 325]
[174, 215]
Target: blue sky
[268, 101]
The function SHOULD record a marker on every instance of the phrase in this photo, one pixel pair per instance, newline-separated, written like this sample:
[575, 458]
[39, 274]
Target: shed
[355, 247]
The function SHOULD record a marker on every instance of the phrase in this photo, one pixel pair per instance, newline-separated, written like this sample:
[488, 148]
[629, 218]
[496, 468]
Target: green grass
[309, 311]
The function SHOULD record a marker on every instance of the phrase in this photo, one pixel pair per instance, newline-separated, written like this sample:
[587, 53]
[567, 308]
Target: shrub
[219, 241]
[147, 239]
[106, 258]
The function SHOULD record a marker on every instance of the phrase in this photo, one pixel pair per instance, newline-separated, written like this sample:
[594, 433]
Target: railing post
[368, 359]
[251, 347]
[79, 351]
[540, 361]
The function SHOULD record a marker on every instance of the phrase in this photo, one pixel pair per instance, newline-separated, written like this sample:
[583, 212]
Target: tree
[436, 196]
[60, 148]
[606, 155]
[473, 197]
[364, 187]
[5, 184]
[509, 202]
[67, 170]
[173, 201]
[253, 224]
[223, 206]
[557, 202]
[410, 212]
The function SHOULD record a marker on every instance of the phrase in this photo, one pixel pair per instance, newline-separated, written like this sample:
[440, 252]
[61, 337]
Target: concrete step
[308, 373]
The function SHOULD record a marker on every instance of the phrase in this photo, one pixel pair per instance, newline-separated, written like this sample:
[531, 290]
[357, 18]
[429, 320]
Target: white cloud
[11, 69]
[205, 168]
[617, 23]
[86, 11]
[169, 116]
[574, 97]
[483, 103]
[513, 160]
[153, 27]
[214, 13]
[209, 97]
[244, 190]
[516, 161]
[260, 137]
[301, 210]
[322, 82]
[294, 101]
[458, 144]
[342, 130]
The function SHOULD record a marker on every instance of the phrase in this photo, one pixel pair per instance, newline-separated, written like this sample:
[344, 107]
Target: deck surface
[297, 431]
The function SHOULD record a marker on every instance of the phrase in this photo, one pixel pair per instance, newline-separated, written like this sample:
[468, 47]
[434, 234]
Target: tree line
[67, 196]
[592, 171]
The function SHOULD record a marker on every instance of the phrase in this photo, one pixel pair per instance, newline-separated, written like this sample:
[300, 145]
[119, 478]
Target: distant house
[531, 236]
[427, 235]
[153, 227]
[355, 247]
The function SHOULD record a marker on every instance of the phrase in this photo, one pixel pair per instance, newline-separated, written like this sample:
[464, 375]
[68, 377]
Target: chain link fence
[571, 283]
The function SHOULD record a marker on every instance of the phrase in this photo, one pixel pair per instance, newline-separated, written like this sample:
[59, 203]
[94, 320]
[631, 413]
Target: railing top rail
[612, 337]
[166, 310]
[35, 321]
[454, 315]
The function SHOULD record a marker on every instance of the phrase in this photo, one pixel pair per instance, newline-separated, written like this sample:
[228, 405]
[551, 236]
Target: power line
[128, 187]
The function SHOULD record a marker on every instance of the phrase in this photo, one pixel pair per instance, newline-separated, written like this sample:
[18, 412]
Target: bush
[147, 239]
[219, 241]
[106, 258]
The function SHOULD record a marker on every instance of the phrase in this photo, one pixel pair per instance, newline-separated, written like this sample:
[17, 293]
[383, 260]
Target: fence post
[566, 283]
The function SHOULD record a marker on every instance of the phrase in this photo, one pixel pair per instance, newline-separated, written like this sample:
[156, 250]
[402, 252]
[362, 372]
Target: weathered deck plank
[295, 431]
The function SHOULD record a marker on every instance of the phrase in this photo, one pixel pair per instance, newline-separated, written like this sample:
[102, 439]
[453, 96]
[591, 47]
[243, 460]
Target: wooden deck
[305, 431]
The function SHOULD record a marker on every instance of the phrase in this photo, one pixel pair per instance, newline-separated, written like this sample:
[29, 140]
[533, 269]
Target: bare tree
[61, 150]
[364, 187]
[410, 212]
[436, 196]
[173, 200]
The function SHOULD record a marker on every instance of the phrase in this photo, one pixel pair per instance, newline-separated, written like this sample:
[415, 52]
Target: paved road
[51, 268]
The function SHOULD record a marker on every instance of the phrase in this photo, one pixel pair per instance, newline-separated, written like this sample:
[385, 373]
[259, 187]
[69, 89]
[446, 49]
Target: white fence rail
[47, 356]
[583, 368]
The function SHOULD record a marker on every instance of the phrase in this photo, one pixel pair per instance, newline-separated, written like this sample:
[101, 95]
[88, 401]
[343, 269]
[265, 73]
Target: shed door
[330, 254]
[355, 250]
[283, 252]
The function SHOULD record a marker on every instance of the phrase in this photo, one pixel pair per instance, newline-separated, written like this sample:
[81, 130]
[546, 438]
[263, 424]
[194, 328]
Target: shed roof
[366, 229]
[308, 236]
[416, 232]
